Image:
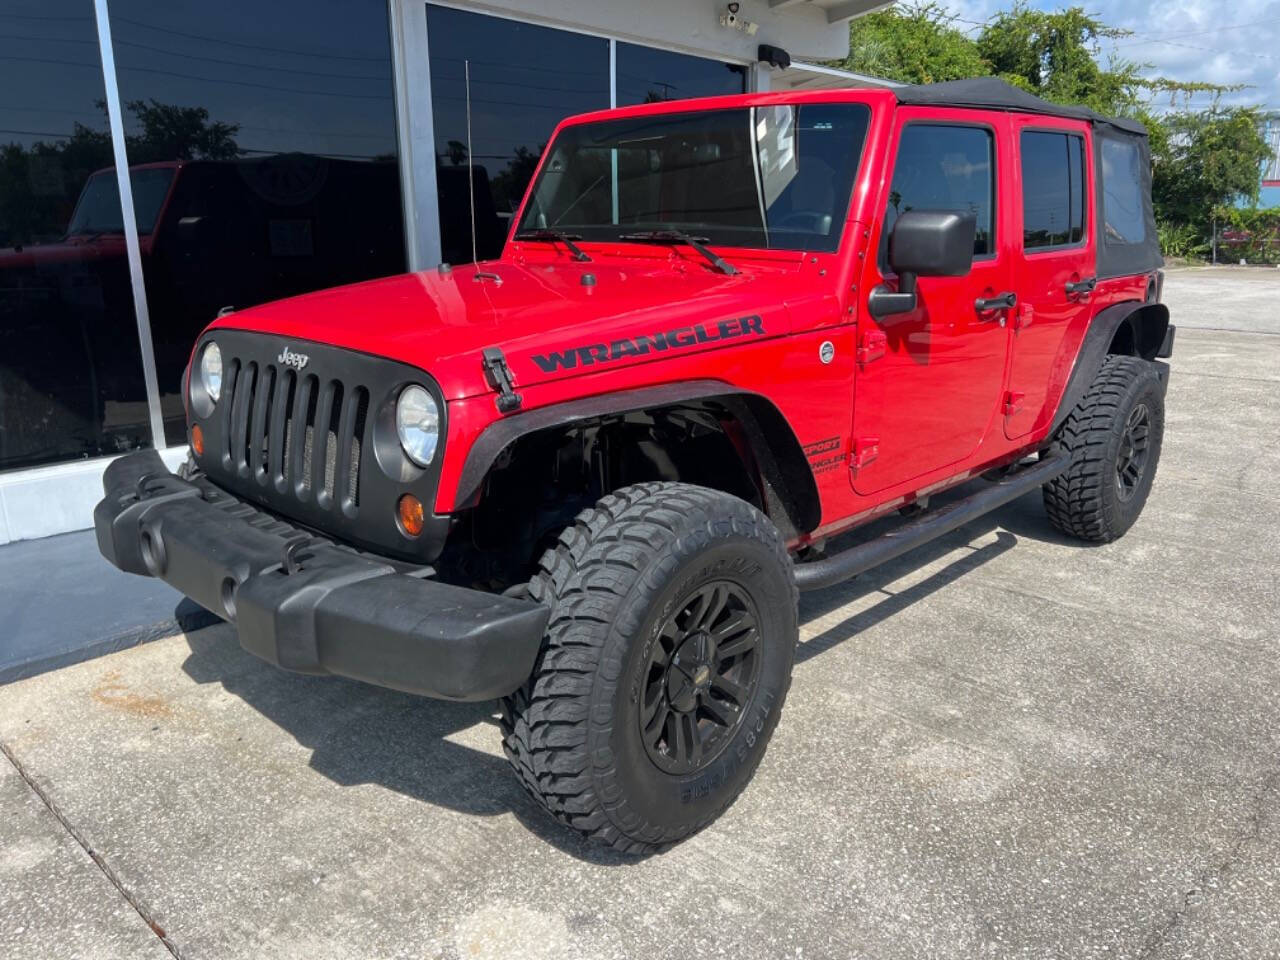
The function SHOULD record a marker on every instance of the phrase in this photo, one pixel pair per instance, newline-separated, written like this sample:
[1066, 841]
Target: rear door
[929, 382]
[1055, 262]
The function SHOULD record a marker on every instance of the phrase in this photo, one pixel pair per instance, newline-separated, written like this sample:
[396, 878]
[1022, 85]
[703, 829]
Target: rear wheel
[665, 665]
[1113, 437]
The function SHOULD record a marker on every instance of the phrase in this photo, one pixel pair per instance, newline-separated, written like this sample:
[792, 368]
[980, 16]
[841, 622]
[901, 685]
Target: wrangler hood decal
[676, 339]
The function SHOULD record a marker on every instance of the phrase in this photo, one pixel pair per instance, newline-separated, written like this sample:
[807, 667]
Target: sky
[1224, 43]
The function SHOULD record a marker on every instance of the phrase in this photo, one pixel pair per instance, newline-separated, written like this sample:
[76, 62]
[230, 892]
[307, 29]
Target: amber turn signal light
[410, 509]
[197, 440]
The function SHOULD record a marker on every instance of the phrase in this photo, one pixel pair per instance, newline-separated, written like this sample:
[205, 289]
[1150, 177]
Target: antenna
[471, 176]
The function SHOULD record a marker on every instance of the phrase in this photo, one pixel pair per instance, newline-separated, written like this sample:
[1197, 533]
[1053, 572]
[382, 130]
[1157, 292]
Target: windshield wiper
[679, 236]
[565, 238]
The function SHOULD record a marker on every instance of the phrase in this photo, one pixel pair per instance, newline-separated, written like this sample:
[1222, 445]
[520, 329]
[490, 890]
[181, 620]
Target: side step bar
[857, 560]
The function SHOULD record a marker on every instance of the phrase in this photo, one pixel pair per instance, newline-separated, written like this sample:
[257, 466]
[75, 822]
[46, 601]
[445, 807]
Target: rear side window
[1053, 180]
[944, 167]
[1123, 217]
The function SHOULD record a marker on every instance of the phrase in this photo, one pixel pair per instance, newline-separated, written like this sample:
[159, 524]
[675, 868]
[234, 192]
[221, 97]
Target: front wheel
[665, 665]
[1113, 437]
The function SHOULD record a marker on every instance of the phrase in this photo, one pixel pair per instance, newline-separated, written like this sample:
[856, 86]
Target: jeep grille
[270, 407]
[317, 445]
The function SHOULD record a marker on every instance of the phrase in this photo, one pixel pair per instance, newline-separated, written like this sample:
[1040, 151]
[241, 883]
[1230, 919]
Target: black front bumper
[309, 605]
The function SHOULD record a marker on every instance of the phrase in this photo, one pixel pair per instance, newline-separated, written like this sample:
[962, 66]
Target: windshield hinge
[499, 376]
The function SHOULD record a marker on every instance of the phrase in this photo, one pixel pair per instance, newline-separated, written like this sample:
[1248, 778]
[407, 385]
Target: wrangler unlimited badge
[676, 339]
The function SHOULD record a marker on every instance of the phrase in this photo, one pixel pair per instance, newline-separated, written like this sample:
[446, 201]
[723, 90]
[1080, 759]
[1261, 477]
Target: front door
[1056, 264]
[930, 382]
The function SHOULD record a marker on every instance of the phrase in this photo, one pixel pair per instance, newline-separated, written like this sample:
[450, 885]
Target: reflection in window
[1052, 189]
[646, 75]
[262, 150]
[942, 167]
[70, 368]
[524, 80]
[98, 210]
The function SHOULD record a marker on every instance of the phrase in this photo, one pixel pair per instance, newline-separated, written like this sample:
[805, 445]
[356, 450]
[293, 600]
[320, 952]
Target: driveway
[1004, 745]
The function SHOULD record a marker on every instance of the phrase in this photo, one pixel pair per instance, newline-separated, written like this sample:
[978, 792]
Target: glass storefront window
[261, 142]
[71, 381]
[524, 80]
[262, 155]
[648, 75]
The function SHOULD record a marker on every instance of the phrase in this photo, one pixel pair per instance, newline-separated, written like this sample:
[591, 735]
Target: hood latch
[499, 376]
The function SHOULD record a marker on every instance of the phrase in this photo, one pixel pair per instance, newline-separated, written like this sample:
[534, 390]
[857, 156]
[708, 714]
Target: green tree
[1207, 159]
[914, 43]
[1057, 56]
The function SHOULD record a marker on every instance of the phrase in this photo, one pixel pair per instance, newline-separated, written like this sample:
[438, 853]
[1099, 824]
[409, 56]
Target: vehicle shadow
[360, 734]
[1023, 517]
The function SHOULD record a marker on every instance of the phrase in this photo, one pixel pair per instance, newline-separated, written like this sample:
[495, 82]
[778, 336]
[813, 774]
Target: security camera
[731, 20]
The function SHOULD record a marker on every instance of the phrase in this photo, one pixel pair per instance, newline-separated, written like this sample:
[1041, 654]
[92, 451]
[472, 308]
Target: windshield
[99, 208]
[777, 177]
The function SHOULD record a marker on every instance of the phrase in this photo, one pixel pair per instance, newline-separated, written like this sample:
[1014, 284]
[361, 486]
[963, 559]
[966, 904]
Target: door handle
[1005, 301]
[1082, 286]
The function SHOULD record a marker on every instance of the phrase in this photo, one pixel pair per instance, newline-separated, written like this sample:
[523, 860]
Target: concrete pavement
[1005, 745]
[53, 901]
[1224, 298]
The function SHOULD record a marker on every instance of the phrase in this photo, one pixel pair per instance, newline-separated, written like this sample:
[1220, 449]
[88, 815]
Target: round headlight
[418, 424]
[211, 371]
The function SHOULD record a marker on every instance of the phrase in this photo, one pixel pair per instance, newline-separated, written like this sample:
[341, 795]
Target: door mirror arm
[924, 243]
[884, 302]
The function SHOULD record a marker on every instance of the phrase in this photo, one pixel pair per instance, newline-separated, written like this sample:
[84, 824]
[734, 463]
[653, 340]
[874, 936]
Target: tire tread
[1074, 501]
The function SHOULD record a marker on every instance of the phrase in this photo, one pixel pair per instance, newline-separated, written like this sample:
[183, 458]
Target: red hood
[541, 315]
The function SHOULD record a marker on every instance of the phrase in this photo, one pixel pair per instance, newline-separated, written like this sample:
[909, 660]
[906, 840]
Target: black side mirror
[924, 243]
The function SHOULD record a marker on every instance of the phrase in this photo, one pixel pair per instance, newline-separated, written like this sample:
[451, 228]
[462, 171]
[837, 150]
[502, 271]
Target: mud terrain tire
[654, 573]
[1113, 437]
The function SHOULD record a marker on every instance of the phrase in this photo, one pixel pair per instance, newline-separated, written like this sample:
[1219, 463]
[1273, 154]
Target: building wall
[1270, 194]
[693, 26]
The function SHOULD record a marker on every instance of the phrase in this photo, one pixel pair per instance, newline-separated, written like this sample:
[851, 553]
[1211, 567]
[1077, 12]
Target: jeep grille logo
[291, 359]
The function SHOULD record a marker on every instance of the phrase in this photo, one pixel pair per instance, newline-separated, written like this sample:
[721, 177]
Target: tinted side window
[941, 167]
[1123, 218]
[1052, 190]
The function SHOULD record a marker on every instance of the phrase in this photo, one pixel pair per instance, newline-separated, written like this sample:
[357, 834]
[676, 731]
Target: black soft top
[1125, 226]
[992, 93]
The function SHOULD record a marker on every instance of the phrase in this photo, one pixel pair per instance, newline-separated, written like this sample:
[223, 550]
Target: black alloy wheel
[701, 676]
[1131, 460]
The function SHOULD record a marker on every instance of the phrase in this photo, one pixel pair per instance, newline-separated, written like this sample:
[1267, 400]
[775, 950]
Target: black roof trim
[992, 93]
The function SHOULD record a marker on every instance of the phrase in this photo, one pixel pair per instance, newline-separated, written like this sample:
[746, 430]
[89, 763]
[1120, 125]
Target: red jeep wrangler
[589, 477]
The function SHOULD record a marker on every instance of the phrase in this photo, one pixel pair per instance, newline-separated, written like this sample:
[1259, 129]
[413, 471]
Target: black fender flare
[790, 492]
[1147, 323]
